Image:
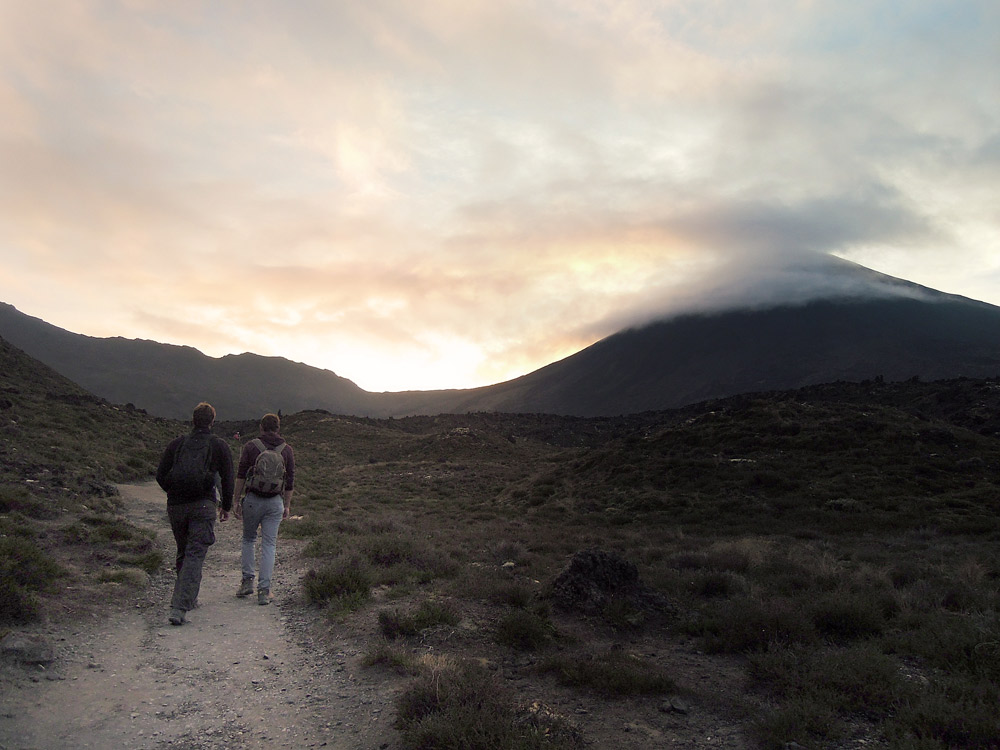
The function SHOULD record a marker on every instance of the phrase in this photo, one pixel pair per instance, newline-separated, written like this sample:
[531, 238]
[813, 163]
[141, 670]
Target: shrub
[150, 561]
[18, 605]
[718, 585]
[347, 580]
[393, 623]
[950, 713]
[803, 720]
[24, 570]
[467, 707]
[386, 654]
[859, 680]
[511, 593]
[612, 675]
[761, 623]
[524, 630]
[847, 617]
[20, 499]
[24, 563]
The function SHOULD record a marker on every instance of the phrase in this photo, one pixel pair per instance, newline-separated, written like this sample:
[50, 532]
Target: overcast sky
[452, 193]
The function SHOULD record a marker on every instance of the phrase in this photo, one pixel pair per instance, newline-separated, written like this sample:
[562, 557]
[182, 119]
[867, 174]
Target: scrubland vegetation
[836, 544]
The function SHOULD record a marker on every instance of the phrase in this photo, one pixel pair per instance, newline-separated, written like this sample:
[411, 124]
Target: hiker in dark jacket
[191, 502]
[260, 508]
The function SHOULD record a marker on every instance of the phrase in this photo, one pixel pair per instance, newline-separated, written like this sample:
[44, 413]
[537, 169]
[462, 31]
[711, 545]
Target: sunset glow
[443, 194]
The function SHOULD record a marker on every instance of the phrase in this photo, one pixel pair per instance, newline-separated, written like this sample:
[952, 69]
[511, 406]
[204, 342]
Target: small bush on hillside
[847, 617]
[24, 570]
[21, 500]
[611, 675]
[23, 562]
[346, 582]
[718, 585]
[761, 623]
[394, 623]
[386, 654]
[150, 561]
[858, 680]
[467, 707]
[511, 594]
[806, 721]
[18, 605]
[524, 630]
[109, 531]
[949, 713]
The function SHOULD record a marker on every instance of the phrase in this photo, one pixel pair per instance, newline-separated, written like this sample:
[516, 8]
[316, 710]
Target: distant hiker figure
[190, 468]
[267, 472]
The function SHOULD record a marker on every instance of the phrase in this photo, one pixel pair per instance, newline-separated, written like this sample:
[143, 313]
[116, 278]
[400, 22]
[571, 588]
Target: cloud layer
[447, 194]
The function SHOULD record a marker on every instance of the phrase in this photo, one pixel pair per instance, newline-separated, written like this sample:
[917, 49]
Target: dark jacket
[221, 462]
[271, 440]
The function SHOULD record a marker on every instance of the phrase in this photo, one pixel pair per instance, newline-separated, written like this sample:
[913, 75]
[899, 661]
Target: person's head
[204, 415]
[270, 423]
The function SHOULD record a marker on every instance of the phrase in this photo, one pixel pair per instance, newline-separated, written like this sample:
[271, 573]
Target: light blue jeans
[263, 512]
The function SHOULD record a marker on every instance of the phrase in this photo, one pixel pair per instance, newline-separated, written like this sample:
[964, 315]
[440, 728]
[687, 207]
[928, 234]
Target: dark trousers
[193, 525]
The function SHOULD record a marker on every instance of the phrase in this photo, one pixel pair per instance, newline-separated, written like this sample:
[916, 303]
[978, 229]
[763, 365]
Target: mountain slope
[860, 325]
[697, 357]
[170, 380]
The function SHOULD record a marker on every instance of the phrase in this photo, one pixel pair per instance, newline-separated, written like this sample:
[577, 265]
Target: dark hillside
[61, 450]
[693, 358]
[169, 380]
[891, 329]
[859, 457]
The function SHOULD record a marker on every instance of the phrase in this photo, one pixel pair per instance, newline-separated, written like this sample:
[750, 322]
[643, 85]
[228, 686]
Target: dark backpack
[267, 475]
[191, 475]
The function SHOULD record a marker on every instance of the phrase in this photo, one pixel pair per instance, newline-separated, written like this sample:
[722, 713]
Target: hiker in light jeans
[266, 513]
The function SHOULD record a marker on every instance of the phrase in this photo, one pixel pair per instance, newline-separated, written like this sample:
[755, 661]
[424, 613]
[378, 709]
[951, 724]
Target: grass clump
[384, 653]
[393, 623]
[763, 621]
[150, 561]
[25, 570]
[345, 583]
[612, 675]
[132, 577]
[467, 707]
[525, 630]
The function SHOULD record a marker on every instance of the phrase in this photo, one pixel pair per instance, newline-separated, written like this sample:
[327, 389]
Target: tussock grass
[345, 583]
[525, 630]
[467, 707]
[394, 623]
[614, 675]
[25, 572]
[392, 656]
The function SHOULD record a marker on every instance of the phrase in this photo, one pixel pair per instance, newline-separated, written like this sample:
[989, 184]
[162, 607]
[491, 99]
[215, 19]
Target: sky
[451, 193]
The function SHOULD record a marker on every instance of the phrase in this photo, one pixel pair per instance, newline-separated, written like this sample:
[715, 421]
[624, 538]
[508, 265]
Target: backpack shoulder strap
[259, 444]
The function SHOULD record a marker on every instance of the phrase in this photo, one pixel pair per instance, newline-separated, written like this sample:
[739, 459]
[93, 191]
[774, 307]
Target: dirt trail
[236, 674]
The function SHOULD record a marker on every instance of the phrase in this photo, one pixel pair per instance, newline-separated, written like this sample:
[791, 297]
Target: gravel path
[235, 675]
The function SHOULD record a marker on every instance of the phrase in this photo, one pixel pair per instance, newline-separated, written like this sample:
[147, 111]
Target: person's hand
[238, 510]
[286, 513]
[223, 515]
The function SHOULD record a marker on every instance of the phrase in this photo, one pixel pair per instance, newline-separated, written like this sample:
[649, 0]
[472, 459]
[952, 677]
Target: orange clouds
[437, 195]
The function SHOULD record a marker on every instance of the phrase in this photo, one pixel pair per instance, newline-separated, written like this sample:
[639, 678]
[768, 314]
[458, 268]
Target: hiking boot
[246, 588]
[176, 616]
[264, 597]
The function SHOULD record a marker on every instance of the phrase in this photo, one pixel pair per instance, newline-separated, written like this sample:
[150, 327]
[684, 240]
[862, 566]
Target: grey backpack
[267, 475]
